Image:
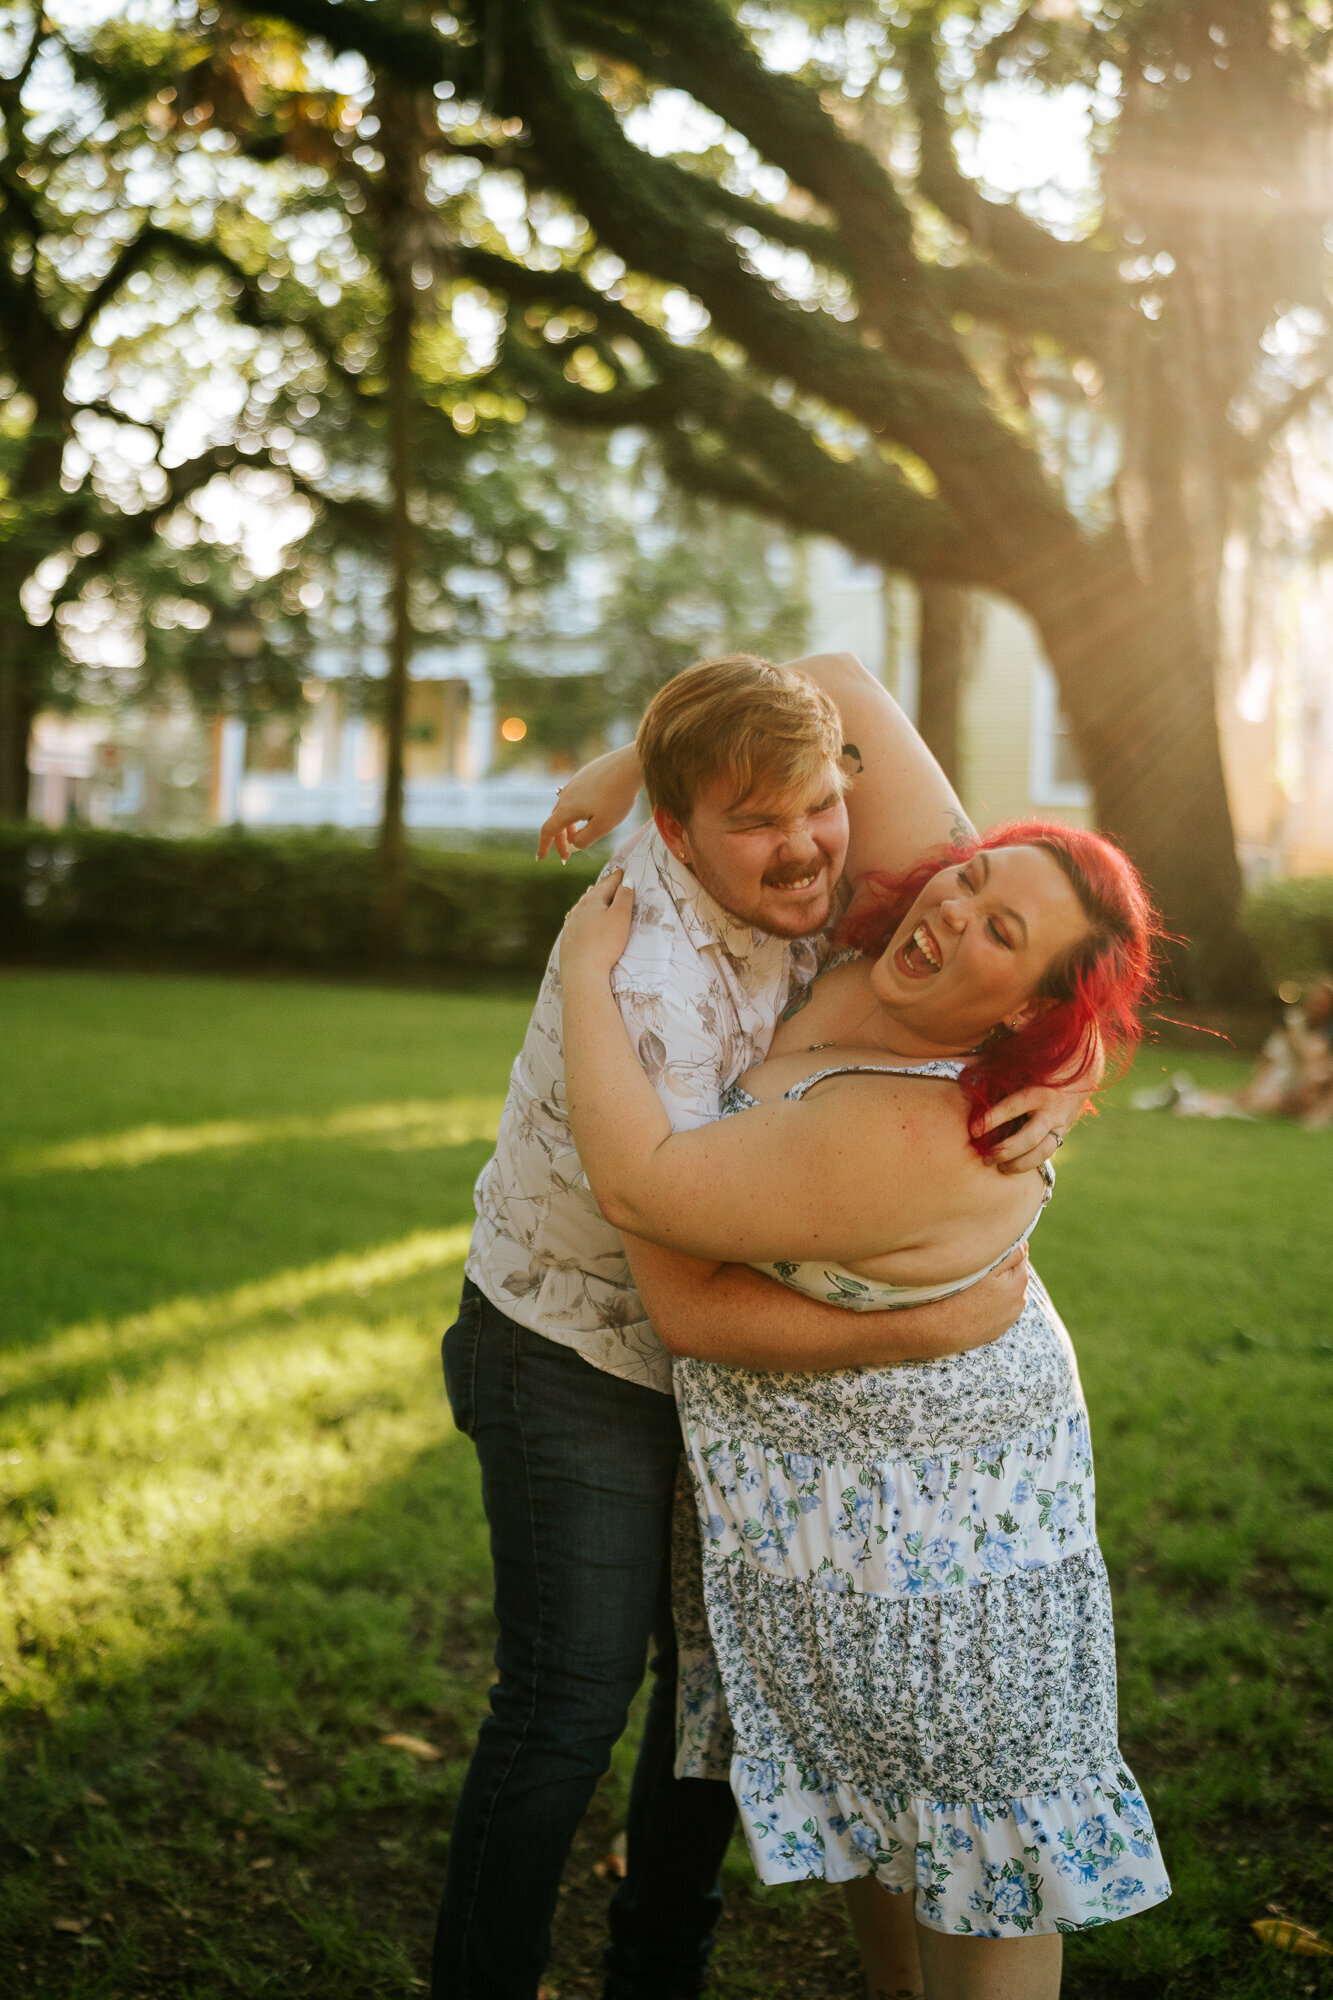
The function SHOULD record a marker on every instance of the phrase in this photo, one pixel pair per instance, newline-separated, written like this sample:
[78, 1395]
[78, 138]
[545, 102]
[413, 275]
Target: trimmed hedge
[303, 899]
[1292, 923]
[282, 899]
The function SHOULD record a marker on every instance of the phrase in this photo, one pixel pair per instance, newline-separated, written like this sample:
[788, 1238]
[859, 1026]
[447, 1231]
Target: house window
[271, 745]
[1055, 776]
[436, 729]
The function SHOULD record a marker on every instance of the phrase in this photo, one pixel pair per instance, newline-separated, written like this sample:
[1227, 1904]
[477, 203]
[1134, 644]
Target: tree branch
[918, 391]
[698, 46]
[364, 517]
[151, 240]
[1026, 308]
[1250, 451]
[711, 57]
[733, 440]
[412, 52]
[989, 476]
[820, 243]
[998, 230]
[869, 516]
[20, 308]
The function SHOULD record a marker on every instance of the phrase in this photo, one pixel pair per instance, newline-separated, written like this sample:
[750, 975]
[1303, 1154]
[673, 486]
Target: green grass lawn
[241, 1542]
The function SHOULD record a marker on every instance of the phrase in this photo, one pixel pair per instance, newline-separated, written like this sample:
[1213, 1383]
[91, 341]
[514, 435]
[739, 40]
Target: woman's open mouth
[920, 957]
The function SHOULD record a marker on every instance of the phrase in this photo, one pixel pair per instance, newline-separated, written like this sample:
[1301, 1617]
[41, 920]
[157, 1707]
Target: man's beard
[809, 923]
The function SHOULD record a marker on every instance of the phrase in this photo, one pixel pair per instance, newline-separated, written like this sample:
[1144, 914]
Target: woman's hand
[597, 928]
[594, 800]
[1048, 1115]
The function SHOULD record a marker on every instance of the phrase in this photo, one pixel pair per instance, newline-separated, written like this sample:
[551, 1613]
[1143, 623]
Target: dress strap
[946, 1069]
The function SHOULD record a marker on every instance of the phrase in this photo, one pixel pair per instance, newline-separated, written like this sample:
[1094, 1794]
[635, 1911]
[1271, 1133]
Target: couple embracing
[750, 1259]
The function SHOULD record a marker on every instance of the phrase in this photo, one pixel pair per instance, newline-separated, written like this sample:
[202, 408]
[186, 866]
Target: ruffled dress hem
[1068, 1860]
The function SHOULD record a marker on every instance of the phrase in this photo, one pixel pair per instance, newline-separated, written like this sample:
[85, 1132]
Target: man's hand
[1047, 1114]
[593, 802]
[983, 1312]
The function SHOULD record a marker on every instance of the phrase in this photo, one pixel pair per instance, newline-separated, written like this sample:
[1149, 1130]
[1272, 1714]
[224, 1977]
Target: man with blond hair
[553, 1367]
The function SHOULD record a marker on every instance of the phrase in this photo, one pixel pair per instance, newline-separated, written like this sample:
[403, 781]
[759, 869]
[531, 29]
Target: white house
[1275, 708]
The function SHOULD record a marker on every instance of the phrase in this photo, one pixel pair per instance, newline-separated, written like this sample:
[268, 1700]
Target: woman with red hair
[1092, 994]
[908, 1666]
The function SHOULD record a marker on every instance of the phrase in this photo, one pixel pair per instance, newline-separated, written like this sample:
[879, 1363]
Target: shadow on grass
[219, 1815]
[90, 1360]
[221, 1818]
[83, 1247]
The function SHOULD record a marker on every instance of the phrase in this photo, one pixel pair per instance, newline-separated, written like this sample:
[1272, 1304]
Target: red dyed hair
[1092, 994]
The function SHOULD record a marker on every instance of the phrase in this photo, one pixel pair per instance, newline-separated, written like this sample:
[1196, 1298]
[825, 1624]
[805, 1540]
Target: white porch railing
[491, 805]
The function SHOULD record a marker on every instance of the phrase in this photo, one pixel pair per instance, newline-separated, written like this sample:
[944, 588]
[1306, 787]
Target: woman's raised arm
[900, 804]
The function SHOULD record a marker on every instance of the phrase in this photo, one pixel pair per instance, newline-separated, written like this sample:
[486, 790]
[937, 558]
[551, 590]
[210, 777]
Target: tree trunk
[29, 653]
[1135, 664]
[18, 710]
[946, 656]
[391, 890]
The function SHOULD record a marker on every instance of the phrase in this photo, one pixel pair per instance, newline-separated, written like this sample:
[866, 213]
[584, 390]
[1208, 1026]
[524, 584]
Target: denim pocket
[459, 1352]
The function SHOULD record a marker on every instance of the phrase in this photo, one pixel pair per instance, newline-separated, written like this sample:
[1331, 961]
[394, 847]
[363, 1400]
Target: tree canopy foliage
[97, 453]
[761, 234]
[192, 371]
[669, 576]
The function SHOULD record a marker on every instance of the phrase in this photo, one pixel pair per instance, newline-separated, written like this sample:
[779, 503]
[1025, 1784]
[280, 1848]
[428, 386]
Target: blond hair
[767, 730]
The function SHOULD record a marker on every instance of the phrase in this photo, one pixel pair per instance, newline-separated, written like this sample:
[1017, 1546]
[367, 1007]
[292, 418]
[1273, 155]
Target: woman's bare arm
[900, 803]
[789, 1179]
[592, 804]
[731, 1314]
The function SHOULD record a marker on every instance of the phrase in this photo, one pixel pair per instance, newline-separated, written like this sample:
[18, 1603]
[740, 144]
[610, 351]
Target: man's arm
[731, 1314]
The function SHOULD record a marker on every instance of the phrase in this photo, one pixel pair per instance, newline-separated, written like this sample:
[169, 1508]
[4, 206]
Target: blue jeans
[578, 1472]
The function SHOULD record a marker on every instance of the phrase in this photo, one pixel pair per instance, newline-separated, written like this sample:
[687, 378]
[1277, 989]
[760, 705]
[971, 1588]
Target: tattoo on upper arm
[853, 755]
[961, 829]
[800, 998]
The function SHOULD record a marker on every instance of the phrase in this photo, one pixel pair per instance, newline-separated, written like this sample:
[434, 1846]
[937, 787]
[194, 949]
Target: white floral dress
[903, 1657]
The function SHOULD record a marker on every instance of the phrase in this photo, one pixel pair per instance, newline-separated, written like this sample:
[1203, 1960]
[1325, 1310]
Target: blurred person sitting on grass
[553, 1367]
[1293, 1077]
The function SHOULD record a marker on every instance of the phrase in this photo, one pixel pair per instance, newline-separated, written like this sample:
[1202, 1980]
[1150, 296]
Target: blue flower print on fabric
[973, 1516]
[1002, 1869]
